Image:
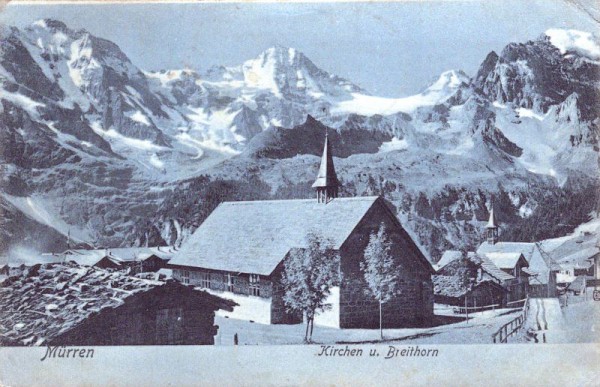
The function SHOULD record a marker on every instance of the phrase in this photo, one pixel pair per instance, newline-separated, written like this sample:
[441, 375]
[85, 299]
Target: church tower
[326, 184]
[492, 228]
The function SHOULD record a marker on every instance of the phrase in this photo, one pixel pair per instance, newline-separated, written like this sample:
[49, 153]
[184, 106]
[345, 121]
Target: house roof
[47, 300]
[486, 264]
[507, 247]
[118, 255]
[504, 260]
[255, 236]
[529, 272]
[581, 256]
[449, 256]
[489, 267]
[454, 286]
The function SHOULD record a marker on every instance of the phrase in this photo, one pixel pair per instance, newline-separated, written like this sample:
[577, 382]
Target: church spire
[326, 184]
[492, 227]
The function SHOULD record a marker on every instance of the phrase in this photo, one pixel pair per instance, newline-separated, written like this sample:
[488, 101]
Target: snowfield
[478, 329]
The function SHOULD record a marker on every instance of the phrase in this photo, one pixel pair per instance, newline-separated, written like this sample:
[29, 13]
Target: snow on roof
[118, 255]
[47, 300]
[582, 256]
[504, 260]
[449, 256]
[532, 273]
[255, 236]
[507, 247]
[454, 286]
[489, 267]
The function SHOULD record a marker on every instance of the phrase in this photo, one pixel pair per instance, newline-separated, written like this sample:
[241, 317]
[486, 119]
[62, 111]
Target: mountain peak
[281, 55]
[448, 80]
[52, 24]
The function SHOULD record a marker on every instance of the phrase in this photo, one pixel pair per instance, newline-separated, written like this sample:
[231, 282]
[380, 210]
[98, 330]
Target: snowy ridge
[85, 123]
[573, 41]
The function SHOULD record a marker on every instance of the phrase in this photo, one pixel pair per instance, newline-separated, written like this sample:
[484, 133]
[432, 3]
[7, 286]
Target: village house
[463, 280]
[579, 285]
[134, 259]
[473, 268]
[68, 304]
[239, 251]
[541, 269]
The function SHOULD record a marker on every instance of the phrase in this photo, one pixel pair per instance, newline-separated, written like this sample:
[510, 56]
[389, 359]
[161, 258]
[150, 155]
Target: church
[239, 253]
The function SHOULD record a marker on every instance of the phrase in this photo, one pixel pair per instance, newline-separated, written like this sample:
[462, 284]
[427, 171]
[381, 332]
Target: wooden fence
[508, 329]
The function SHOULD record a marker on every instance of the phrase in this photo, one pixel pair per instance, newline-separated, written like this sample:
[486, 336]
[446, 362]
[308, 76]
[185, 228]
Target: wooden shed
[68, 304]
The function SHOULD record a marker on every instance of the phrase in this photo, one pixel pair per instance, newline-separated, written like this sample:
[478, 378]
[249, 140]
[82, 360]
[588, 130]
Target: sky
[390, 49]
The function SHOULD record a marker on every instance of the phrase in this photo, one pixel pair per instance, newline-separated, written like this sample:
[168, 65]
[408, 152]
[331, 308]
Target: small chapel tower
[326, 184]
[492, 228]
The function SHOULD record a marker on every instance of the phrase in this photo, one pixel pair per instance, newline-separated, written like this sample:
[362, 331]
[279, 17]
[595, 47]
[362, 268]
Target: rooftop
[255, 236]
[507, 247]
[504, 260]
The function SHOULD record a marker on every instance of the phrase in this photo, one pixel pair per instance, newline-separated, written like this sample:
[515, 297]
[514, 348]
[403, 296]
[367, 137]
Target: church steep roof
[492, 223]
[255, 236]
[326, 176]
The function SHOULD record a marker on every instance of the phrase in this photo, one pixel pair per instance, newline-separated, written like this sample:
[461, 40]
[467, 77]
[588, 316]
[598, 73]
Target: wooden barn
[68, 304]
[240, 250]
[468, 278]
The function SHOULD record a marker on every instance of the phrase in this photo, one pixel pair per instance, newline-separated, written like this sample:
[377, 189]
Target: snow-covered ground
[549, 322]
[478, 329]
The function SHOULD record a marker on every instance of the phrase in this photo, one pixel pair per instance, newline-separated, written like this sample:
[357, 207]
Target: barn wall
[358, 309]
[159, 317]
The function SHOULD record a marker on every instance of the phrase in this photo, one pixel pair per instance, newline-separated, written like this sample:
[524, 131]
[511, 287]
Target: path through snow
[548, 322]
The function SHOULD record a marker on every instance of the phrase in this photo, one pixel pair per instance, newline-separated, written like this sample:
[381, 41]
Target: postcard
[300, 193]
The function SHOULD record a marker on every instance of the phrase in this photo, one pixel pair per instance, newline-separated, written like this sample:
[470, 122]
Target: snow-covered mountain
[93, 146]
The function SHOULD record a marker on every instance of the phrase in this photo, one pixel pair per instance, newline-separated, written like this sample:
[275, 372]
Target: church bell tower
[492, 228]
[326, 184]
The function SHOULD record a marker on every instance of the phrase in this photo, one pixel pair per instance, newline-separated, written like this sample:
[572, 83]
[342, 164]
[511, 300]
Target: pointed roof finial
[326, 176]
[492, 223]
